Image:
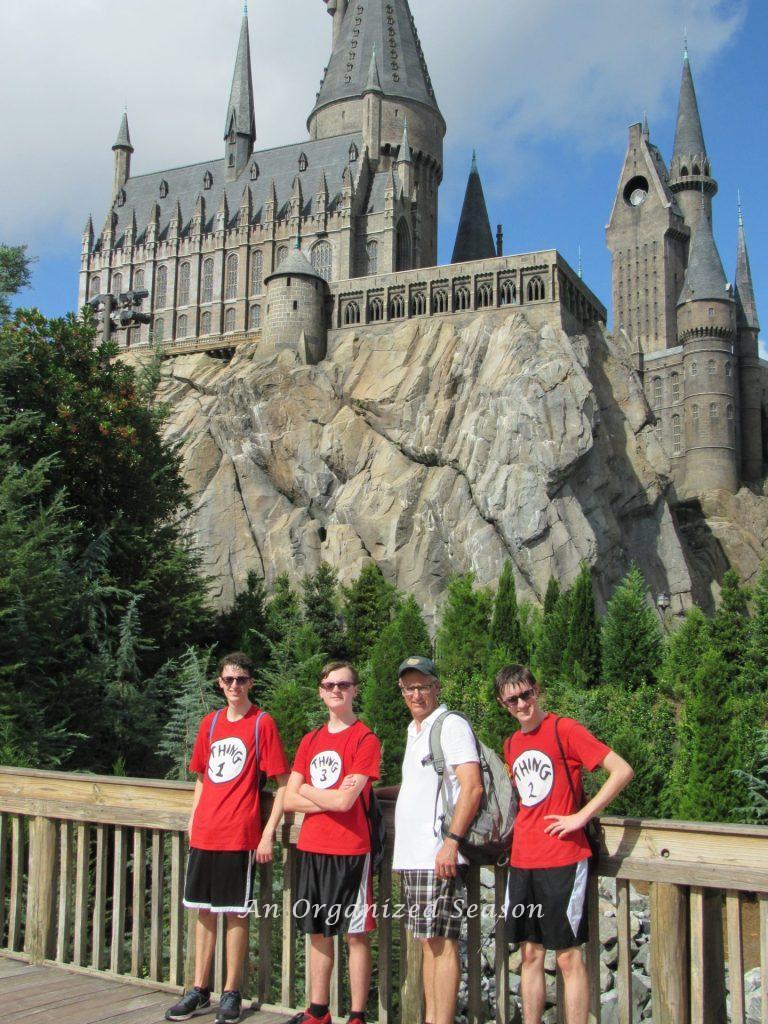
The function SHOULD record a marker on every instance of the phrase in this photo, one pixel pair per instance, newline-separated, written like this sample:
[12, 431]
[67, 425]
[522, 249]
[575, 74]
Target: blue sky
[545, 91]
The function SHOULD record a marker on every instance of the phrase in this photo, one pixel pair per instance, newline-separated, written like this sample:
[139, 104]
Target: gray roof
[394, 36]
[689, 138]
[474, 238]
[123, 139]
[745, 293]
[185, 185]
[295, 263]
[373, 83]
[705, 277]
[241, 107]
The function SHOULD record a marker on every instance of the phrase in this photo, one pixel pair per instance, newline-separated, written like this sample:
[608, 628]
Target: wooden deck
[53, 995]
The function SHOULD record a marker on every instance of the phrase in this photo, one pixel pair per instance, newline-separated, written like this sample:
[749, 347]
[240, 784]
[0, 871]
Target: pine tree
[730, 623]
[551, 596]
[283, 612]
[682, 650]
[550, 650]
[582, 654]
[462, 639]
[368, 605]
[505, 631]
[288, 684]
[755, 671]
[755, 810]
[321, 609]
[244, 626]
[196, 695]
[631, 635]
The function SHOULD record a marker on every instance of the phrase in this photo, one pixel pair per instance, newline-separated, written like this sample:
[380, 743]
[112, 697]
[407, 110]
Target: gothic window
[95, 286]
[257, 272]
[484, 296]
[184, 284]
[229, 320]
[728, 369]
[508, 293]
[121, 197]
[396, 307]
[694, 369]
[138, 279]
[376, 310]
[205, 322]
[677, 440]
[351, 313]
[403, 247]
[711, 368]
[675, 388]
[303, 162]
[461, 298]
[696, 169]
[714, 414]
[181, 327]
[163, 188]
[207, 180]
[231, 159]
[353, 153]
[117, 284]
[372, 253]
[254, 171]
[536, 289]
[684, 171]
[232, 265]
[657, 392]
[418, 304]
[729, 416]
[440, 301]
[161, 287]
[695, 418]
[322, 259]
[207, 293]
[159, 330]
[282, 252]
[254, 318]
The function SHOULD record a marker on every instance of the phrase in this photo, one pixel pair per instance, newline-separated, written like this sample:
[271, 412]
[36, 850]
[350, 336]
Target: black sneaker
[230, 1005]
[189, 1004]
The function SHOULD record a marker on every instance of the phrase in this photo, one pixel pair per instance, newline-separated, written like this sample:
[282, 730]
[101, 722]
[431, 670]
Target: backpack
[260, 776]
[489, 838]
[378, 830]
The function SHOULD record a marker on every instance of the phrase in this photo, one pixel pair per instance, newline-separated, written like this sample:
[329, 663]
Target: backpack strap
[436, 758]
[256, 752]
[214, 720]
[571, 786]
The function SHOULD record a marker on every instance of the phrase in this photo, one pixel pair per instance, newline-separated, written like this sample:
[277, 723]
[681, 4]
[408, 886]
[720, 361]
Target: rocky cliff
[438, 447]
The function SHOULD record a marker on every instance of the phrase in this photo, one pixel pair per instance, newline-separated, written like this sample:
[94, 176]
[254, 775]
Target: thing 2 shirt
[228, 814]
[538, 774]
[325, 759]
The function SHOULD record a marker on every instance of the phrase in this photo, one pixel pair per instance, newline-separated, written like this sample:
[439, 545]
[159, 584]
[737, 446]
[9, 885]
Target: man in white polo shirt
[430, 864]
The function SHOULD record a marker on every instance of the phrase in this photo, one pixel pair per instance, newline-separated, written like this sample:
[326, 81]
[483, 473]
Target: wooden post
[156, 909]
[736, 957]
[3, 863]
[763, 905]
[17, 883]
[669, 953]
[474, 948]
[190, 949]
[176, 937]
[41, 890]
[138, 901]
[624, 970]
[386, 979]
[64, 923]
[412, 1005]
[265, 932]
[501, 963]
[715, 1009]
[80, 951]
[119, 883]
[98, 951]
[288, 974]
[593, 947]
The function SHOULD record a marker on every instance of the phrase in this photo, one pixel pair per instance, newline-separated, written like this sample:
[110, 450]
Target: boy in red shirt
[236, 748]
[546, 897]
[331, 784]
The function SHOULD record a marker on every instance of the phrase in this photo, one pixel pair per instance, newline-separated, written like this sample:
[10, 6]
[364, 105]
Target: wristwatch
[454, 837]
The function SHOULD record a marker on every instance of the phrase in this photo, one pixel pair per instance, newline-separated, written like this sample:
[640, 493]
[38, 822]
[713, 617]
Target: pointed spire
[373, 83]
[745, 293]
[646, 127]
[474, 239]
[705, 277]
[689, 137]
[88, 229]
[405, 155]
[123, 140]
[240, 112]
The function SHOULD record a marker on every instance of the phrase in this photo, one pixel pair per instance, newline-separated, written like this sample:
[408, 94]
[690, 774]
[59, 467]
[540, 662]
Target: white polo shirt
[417, 812]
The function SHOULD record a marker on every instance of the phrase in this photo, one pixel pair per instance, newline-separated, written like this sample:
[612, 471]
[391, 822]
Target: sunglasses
[343, 686]
[235, 680]
[512, 702]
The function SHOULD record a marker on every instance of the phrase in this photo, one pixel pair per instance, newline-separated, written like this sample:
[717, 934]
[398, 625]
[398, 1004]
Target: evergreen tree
[283, 611]
[368, 605]
[321, 609]
[755, 809]
[682, 650]
[462, 639]
[631, 635]
[730, 624]
[755, 671]
[289, 684]
[582, 654]
[550, 649]
[552, 595]
[505, 630]
[14, 274]
[196, 695]
[244, 626]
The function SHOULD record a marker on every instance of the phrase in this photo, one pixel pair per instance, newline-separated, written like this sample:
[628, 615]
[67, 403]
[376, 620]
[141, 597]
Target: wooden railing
[91, 878]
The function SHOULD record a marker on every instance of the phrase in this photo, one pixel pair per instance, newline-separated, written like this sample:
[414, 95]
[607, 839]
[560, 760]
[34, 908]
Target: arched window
[684, 171]
[184, 284]
[282, 252]
[257, 272]
[303, 162]
[138, 279]
[232, 265]
[163, 188]
[376, 310]
[351, 313]
[694, 369]
[714, 414]
[396, 307]
[440, 301]
[117, 284]
[254, 171]
[536, 289]
[207, 293]
[675, 387]
[158, 330]
[729, 415]
[205, 322]
[696, 169]
[207, 180]
[121, 197]
[461, 298]
[254, 317]
[695, 418]
[229, 320]
[418, 304]
[95, 286]
[353, 153]
[372, 252]
[728, 369]
[711, 368]
[657, 392]
[322, 259]
[508, 293]
[161, 287]
[484, 296]
[403, 247]
[677, 437]
[181, 327]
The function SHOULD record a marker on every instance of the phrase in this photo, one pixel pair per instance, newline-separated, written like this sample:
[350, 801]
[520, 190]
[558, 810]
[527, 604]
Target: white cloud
[504, 72]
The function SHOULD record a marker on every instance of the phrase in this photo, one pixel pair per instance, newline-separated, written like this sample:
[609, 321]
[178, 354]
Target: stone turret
[750, 383]
[690, 171]
[474, 238]
[297, 297]
[240, 123]
[122, 150]
[372, 97]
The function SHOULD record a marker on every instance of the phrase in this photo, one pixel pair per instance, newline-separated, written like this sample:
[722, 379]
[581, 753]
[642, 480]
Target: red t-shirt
[538, 773]
[228, 815]
[325, 758]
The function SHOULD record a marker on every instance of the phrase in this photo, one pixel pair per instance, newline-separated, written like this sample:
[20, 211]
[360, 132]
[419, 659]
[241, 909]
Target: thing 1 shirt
[228, 815]
[325, 758]
[538, 774]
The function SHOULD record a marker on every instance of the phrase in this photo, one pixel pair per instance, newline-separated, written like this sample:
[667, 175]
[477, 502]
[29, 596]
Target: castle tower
[690, 168]
[296, 309]
[750, 386]
[707, 331]
[648, 242]
[474, 238]
[337, 9]
[122, 150]
[372, 96]
[240, 124]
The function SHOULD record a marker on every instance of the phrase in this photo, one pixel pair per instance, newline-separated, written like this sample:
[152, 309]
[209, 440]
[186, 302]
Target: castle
[289, 246]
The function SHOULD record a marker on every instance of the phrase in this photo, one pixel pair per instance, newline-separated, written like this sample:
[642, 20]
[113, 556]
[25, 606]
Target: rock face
[435, 448]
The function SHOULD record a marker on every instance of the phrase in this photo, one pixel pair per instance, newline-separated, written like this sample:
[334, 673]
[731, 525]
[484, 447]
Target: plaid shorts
[435, 906]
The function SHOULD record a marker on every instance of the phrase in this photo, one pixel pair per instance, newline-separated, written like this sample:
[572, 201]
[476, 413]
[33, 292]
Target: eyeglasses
[414, 691]
[512, 702]
[344, 685]
[235, 680]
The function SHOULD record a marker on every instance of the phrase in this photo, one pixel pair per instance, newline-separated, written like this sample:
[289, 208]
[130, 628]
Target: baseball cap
[418, 664]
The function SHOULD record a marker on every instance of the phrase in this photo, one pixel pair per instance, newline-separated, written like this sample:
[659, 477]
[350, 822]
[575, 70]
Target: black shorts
[548, 905]
[219, 880]
[334, 894]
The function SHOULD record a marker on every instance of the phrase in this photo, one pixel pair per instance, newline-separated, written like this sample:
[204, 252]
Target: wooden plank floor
[52, 995]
